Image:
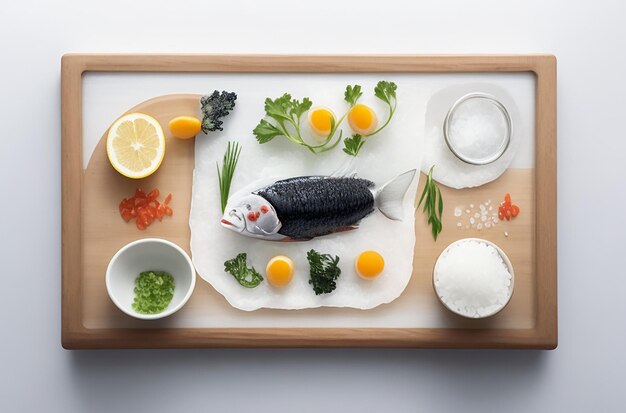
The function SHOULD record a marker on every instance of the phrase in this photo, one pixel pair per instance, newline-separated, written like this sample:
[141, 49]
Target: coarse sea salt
[477, 128]
[472, 279]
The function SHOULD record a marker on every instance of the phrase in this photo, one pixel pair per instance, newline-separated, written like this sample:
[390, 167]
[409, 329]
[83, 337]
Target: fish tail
[390, 196]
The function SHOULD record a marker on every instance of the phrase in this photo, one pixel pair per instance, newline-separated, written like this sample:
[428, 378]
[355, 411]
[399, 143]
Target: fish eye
[248, 207]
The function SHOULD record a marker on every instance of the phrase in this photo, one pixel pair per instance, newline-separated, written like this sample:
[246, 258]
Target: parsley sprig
[385, 91]
[433, 203]
[287, 114]
[324, 271]
[237, 267]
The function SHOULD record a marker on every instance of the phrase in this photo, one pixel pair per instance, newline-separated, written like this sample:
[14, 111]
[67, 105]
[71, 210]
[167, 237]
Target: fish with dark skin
[302, 208]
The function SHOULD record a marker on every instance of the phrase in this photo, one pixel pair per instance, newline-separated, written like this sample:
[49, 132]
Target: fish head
[251, 215]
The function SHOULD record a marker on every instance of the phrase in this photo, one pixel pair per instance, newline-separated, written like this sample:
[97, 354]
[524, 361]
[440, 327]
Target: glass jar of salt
[477, 129]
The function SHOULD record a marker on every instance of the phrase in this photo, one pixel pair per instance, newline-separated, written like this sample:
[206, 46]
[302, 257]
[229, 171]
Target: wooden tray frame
[542, 336]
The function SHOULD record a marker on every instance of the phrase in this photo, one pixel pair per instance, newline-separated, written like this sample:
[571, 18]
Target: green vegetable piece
[237, 267]
[225, 176]
[433, 204]
[353, 144]
[265, 131]
[215, 107]
[386, 91]
[352, 94]
[153, 292]
[287, 113]
[324, 271]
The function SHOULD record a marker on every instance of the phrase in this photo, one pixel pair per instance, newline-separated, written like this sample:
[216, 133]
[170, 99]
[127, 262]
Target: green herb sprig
[225, 176]
[237, 267]
[324, 271]
[433, 203]
[385, 91]
[287, 114]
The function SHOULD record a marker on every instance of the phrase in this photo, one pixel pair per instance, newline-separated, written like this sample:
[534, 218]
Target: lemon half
[136, 145]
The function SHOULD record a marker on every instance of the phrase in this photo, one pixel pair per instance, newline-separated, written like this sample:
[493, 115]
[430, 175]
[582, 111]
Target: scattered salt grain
[472, 279]
[471, 205]
[506, 234]
[479, 226]
[459, 225]
[472, 220]
[467, 211]
[477, 215]
[457, 212]
[483, 218]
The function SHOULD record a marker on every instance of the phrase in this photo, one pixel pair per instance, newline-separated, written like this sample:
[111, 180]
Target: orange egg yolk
[362, 119]
[321, 121]
[370, 264]
[185, 127]
[279, 271]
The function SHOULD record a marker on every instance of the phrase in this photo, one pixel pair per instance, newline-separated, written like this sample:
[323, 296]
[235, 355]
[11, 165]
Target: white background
[585, 373]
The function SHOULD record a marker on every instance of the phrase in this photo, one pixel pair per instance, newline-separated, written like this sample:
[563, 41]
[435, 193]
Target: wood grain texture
[533, 252]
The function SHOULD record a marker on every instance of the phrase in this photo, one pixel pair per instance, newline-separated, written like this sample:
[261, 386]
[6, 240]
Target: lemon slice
[136, 145]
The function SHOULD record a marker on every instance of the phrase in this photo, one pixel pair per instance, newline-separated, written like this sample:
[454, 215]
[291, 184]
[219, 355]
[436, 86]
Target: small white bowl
[145, 255]
[507, 262]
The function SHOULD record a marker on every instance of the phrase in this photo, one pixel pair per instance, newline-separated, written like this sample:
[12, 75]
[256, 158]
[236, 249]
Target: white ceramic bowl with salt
[473, 278]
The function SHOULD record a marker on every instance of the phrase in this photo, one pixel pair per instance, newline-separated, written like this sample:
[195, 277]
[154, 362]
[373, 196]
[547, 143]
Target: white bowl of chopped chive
[150, 278]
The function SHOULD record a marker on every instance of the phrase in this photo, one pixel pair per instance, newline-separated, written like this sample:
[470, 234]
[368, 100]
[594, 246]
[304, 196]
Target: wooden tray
[93, 231]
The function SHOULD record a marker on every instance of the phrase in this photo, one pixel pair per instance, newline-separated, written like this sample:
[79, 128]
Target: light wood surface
[93, 230]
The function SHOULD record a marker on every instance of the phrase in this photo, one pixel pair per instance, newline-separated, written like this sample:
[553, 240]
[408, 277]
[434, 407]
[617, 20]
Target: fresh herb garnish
[353, 144]
[215, 107]
[433, 204]
[247, 277]
[225, 176]
[352, 94]
[153, 292]
[324, 271]
[287, 113]
[385, 91]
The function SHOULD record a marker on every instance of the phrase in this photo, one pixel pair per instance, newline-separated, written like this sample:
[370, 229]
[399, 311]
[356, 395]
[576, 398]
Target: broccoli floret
[214, 107]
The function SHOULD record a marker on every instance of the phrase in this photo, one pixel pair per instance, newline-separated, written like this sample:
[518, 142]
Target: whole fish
[302, 208]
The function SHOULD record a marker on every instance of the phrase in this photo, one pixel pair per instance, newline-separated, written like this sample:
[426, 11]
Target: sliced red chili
[127, 215]
[145, 208]
[514, 211]
[154, 194]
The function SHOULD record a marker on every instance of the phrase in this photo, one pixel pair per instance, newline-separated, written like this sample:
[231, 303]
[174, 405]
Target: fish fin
[346, 170]
[389, 198]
